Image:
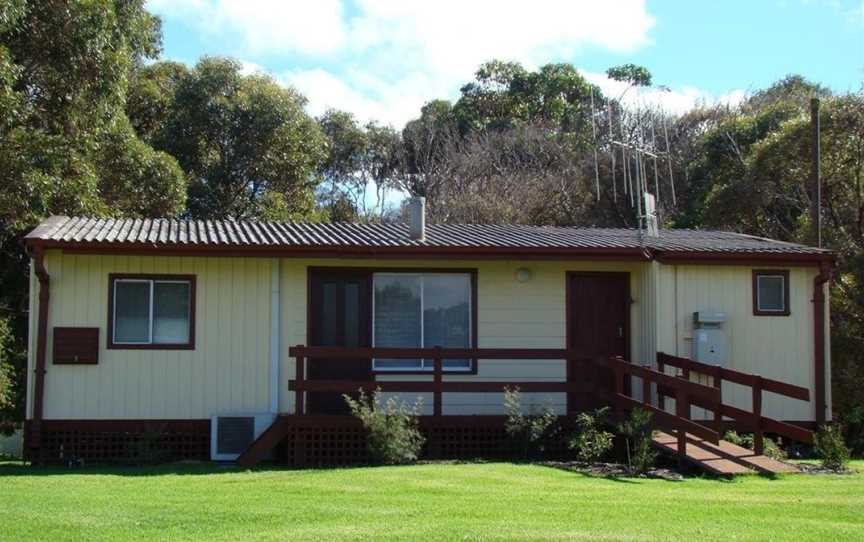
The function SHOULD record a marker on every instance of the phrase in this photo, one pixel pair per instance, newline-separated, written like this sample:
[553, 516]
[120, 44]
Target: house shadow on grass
[172, 469]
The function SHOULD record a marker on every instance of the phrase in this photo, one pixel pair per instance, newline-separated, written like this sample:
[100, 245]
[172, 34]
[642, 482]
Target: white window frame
[150, 318]
[783, 287]
[423, 368]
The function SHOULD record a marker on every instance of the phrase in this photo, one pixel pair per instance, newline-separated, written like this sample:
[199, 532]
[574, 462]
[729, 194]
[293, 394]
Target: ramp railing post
[300, 378]
[758, 438]
[438, 379]
[717, 381]
[682, 410]
[646, 387]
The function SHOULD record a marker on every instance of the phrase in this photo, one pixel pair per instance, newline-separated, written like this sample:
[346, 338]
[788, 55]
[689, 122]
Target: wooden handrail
[708, 393]
[754, 420]
[745, 379]
[352, 354]
[349, 386]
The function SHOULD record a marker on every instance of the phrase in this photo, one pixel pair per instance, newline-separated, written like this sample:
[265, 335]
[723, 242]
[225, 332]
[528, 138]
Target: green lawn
[494, 501]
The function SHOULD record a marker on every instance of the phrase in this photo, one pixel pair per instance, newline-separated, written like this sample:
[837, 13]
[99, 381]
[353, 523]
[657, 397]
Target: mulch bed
[815, 468]
[611, 470]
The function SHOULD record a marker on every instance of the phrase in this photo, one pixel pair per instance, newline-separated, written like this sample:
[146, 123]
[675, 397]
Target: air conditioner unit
[231, 434]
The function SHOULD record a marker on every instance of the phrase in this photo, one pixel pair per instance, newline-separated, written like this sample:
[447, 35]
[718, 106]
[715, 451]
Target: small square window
[771, 293]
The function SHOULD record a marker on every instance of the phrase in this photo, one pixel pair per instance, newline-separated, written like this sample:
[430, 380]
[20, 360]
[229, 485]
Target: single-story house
[191, 329]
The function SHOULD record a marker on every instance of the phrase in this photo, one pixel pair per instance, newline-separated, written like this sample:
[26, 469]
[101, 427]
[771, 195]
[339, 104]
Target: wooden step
[265, 443]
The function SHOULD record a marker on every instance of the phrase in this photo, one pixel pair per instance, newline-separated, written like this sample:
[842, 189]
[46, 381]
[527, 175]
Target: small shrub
[638, 431]
[393, 432]
[770, 447]
[591, 443]
[529, 431]
[144, 451]
[831, 448]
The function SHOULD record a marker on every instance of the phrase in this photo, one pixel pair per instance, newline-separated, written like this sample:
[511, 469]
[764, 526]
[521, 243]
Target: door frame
[569, 275]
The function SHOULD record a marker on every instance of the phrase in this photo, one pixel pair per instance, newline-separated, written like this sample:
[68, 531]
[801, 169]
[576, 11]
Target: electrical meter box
[710, 342]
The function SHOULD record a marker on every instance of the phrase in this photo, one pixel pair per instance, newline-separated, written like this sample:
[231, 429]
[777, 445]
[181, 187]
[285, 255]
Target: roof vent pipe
[417, 218]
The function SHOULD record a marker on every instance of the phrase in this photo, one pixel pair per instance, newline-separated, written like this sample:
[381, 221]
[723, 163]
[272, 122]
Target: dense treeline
[92, 123]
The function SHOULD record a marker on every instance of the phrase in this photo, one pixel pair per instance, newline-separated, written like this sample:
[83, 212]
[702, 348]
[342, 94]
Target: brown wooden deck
[692, 441]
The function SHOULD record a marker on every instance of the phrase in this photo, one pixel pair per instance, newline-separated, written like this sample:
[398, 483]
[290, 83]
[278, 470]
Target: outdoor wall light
[523, 274]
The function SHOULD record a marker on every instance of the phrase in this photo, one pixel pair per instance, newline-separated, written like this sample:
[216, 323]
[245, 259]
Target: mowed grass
[491, 501]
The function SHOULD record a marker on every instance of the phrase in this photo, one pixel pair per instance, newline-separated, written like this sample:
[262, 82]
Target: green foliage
[237, 138]
[639, 430]
[146, 450]
[853, 422]
[505, 95]
[359, 157]
[630, 73]
[770, 447]
[530, 432]
[591, 442]
[393, 433]
[831, 448]
[6, 369]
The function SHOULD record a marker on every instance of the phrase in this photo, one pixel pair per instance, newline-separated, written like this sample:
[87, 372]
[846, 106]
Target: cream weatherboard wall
[229, 370]
[778, 347]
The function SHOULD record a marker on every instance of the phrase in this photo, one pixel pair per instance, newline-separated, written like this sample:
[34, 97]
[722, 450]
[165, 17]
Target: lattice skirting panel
[117, 441]
[317, 441]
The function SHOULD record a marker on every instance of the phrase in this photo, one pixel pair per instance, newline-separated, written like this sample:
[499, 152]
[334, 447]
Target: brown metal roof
[242, 235]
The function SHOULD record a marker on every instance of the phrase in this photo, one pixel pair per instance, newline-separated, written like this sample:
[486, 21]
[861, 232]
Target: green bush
[770, 447]
[591, 443]
[638, 431]
[531, 432]
[393, 432]
[831, 448]
[146, 450]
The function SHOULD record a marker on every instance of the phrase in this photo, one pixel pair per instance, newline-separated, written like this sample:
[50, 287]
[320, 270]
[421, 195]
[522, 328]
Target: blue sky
[382, 59]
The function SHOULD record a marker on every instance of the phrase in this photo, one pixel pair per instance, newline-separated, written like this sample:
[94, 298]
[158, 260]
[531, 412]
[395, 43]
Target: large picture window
[151, 312]
[421, 310]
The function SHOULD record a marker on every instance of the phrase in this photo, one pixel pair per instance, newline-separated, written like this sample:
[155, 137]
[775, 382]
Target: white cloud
[383, 59]
[671, 100]
[263, 26]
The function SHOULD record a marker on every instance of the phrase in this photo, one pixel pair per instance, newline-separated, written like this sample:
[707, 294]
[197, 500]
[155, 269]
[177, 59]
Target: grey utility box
[710, 342]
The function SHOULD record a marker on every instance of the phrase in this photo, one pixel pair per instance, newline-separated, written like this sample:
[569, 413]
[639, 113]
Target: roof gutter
[819, 282]
[342, 251]
[35, 437]
[743, 258]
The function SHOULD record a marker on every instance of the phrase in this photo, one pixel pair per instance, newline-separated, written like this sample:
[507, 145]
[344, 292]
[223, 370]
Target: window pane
[131, 311]
[397, 317]
[352, 314]
[771, 296]
[447, 315]
[171, 312]
[328, 324]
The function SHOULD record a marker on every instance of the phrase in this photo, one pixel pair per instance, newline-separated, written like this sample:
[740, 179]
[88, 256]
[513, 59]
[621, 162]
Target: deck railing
[754, 420]
[437, 385]
[677, 386]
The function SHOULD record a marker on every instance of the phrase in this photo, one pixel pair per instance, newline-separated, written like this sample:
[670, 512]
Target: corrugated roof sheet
[78, 231]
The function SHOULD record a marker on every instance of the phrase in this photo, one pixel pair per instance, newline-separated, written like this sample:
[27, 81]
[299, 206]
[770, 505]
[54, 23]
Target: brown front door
[598, 327]
[339, 315]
